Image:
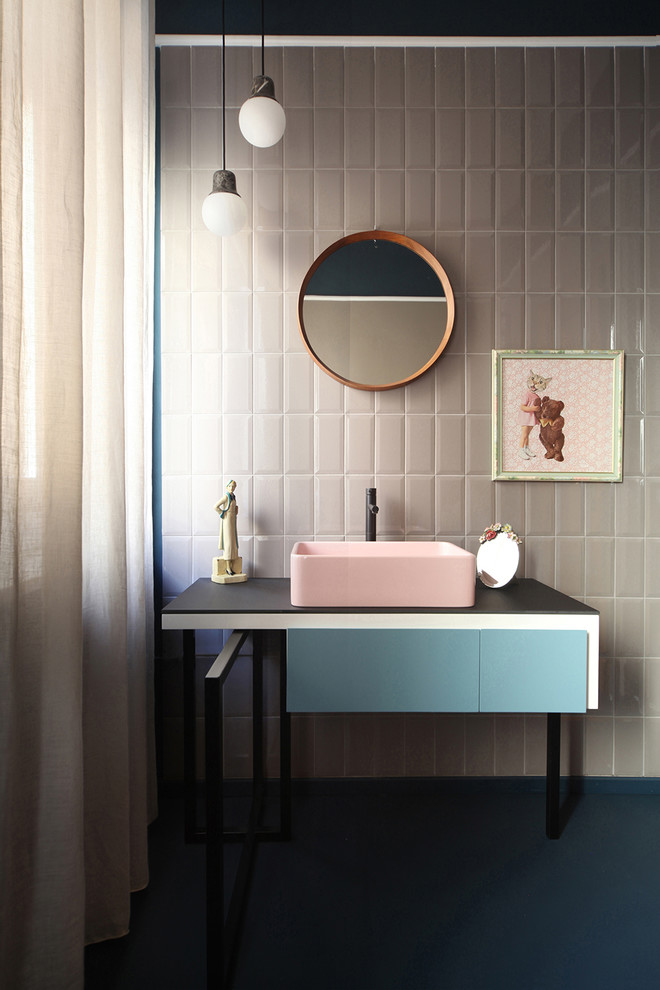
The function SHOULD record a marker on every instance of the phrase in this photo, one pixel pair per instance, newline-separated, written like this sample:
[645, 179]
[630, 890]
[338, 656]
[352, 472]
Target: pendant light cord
[263, 73]
[224, 162]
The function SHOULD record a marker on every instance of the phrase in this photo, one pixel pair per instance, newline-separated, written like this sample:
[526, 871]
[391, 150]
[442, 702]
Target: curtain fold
[76, 589]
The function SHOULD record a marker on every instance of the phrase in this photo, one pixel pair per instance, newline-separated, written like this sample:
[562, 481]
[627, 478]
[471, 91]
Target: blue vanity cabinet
[436, 670]
[533, 670]
[383, 670]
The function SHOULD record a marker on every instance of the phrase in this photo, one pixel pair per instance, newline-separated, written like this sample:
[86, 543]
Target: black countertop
[273, 595]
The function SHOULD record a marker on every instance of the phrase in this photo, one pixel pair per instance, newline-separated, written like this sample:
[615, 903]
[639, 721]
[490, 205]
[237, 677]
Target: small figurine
[228, 569]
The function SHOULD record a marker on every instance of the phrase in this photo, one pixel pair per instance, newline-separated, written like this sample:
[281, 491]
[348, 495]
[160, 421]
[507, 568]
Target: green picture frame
[557, 415]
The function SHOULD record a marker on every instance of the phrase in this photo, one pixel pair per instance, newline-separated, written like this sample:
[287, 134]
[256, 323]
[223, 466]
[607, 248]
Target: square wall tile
[480, 77]
[540, 200]
[236, 445]
[391, 503]
[420, 138]
[569, 65]
[298, 82]
[359, 199]
[268, 506]
[329, 77]
[360, 138]
[299, 505]
[420, 77]
[329, 199]
[390, 138]
[450, 138]
[480, 200]
[540, 138]
[298, 141]
[175, 124]
[420, 745]
[510, 200]
[268, 383]
[629, 76]
[570, 262]
[480, 258]
[570, 321]
[599, 746]
[599, 76]
[267, 320]
[510, 321]
[268, 442]
[299, 444]
[329, 444]
[329, 505]
[510, 262]
[539, 77]
[420, 202]
[570, 137]
[329, 137]
[268, 200]
[450, 745]
[599, 126]
[540, 321]
[480, 138]
[420, 506]
[175, 75]
[450, 77]
[510, 138]
[390, 200]
[450, 200]
[450, 445]
[359, 74]
[600, 567]
[450, 506]
[206, 445]
[628, 747]
[510, 77]
[390, 77]
[390, 444]
[570, 201]
[630, 200]
[360, 444]
[420, 445]
[600, 200]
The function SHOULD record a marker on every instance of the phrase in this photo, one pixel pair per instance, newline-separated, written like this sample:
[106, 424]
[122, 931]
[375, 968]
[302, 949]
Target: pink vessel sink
[389, 575]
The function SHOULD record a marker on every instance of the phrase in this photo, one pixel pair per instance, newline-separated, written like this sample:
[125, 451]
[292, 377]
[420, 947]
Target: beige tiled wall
[534, 176]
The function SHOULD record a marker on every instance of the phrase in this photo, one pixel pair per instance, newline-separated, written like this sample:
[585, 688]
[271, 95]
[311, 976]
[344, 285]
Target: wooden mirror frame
[403, 241]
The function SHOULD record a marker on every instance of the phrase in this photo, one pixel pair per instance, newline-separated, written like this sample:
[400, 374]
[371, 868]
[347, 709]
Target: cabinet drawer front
[382, 670]
[533, 670]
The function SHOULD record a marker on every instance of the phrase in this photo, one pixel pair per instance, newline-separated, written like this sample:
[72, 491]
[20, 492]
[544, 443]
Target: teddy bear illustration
[551, 433]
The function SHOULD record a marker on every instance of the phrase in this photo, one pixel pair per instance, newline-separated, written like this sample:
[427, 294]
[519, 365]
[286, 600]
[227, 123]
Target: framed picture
[557, 415]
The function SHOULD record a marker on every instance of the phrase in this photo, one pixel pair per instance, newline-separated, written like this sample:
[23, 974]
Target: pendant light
[223, 210]
[261, 118]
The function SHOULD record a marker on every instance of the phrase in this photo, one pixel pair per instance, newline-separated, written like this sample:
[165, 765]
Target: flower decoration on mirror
[499, 529]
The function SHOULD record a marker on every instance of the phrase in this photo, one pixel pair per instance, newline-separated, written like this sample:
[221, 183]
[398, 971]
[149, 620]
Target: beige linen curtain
[76, 595]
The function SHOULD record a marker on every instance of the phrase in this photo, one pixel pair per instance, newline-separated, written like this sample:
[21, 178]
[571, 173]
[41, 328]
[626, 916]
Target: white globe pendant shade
[223, 210]
[261, 119]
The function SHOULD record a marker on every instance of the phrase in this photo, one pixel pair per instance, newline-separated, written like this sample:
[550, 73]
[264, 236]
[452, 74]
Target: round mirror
[375, 310]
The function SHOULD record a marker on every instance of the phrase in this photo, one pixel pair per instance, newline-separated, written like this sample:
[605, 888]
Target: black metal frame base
[552, 778]
[223, 933]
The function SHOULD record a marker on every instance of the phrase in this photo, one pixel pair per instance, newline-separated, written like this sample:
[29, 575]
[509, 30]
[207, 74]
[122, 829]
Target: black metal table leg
[552, 776]
[285, 747]
[224, 931]
[191, 830]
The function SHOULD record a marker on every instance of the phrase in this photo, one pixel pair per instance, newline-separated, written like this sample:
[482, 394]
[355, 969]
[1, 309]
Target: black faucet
[372, 509]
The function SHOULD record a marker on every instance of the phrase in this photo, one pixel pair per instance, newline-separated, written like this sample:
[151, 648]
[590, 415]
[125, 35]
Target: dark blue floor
[414, 890]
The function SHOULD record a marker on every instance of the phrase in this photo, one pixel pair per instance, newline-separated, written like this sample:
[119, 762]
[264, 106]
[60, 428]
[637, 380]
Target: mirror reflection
[376, 310]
